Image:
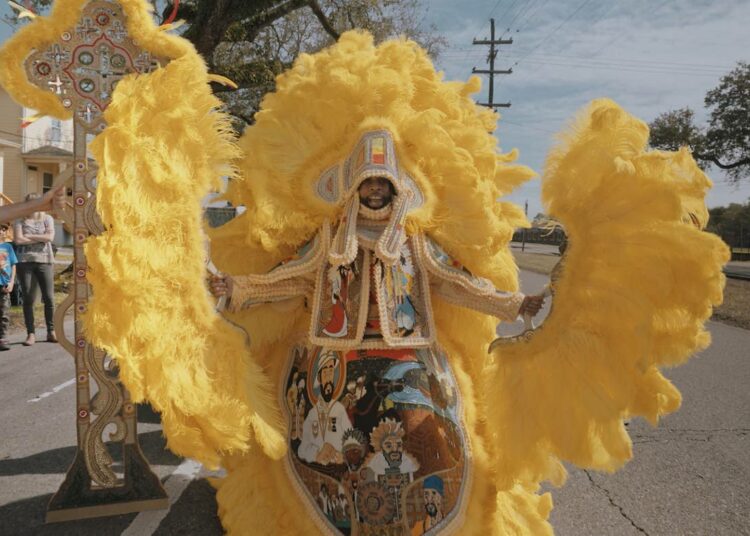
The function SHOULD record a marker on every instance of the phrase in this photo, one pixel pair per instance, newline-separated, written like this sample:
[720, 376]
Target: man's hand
[54, 200]
[220, 285]
[7, 289]
[531, 305]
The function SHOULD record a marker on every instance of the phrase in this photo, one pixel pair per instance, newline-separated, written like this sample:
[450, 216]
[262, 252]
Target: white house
[31, 157]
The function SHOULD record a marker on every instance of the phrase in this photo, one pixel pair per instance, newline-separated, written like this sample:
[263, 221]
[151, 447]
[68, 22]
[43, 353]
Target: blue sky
[648, 55]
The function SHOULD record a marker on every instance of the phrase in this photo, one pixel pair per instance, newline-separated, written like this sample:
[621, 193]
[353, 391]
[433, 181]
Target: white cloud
[650, 56]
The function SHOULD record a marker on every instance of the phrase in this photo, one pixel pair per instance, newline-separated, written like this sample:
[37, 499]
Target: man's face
[353, 457]
[393, 449]
[376, 192]
[326, 381]
[432, 502]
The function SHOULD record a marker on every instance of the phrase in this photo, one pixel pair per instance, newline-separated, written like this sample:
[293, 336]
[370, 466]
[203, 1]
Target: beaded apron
[376, 442]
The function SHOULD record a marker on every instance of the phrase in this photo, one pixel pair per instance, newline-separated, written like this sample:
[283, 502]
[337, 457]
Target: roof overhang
[47, 154]
[6, 143]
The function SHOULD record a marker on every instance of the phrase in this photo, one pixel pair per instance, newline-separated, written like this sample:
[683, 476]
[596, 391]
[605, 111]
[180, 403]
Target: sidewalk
[64, 255]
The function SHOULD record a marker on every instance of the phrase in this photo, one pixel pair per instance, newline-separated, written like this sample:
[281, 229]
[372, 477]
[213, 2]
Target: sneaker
[4, 345]
[30, 339]
[51, 337]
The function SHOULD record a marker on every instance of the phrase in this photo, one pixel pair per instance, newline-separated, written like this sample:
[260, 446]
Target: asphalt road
[689, 476]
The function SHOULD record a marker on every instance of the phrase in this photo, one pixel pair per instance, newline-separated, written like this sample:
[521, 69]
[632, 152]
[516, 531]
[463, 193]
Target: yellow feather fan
[637, 283]
[158, 157]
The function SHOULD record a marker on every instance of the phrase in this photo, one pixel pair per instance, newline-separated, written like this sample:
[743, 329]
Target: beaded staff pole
[82, 69]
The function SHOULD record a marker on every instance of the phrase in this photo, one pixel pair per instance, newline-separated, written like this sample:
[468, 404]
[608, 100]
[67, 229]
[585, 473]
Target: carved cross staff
[82, 68]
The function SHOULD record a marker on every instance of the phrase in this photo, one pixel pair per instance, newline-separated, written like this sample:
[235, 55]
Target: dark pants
[43, 273]
[4, 314]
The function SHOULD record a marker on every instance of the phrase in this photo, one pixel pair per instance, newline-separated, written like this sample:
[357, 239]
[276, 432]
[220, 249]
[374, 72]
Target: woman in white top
[33, 237]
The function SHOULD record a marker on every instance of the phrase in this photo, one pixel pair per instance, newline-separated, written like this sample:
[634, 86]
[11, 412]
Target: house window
[47, 180]
[55, 132]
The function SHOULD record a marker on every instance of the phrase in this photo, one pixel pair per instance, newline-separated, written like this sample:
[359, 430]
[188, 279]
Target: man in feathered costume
[351, 391]
[369, 286]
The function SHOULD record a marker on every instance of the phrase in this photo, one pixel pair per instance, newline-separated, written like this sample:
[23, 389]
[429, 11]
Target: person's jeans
[43, 273]
[4, 316]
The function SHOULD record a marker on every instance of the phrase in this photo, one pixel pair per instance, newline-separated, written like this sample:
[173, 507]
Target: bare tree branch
[213, 20]
[324, 22]
[715, 160]
[269, 16]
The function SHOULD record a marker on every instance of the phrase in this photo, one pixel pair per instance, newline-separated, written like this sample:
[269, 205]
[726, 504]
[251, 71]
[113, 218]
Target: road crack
[613, 503]
[686, 434]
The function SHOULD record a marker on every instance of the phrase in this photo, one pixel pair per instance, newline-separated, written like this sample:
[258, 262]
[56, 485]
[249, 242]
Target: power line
[530, 17]
[633, 63]
[507, 10]
[549, 36]
[22, 136]
[620, 34]
[468, 50]
[705, 67]
[6, 21]
[520, 13]
[494, 8]
[602, 15]
[503, 120]
[624, 68]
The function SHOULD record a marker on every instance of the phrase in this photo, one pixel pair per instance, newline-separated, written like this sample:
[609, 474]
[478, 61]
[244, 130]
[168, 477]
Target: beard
[326, 391]
[393, 458]
[431, 509]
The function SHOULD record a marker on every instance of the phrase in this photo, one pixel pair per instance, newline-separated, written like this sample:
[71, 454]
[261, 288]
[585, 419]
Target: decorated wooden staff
[68, 65]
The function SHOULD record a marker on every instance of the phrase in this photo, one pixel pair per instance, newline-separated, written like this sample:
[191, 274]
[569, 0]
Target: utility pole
[491, 60]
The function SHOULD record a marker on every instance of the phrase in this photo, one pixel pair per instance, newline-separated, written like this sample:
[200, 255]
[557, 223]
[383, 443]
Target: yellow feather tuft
[222, 80]
[63, 16]
[172, 25]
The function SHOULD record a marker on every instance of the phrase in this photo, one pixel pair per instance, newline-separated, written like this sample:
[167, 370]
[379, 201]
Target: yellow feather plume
[637, 283]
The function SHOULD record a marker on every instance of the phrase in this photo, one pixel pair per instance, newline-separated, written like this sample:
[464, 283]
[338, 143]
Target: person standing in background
[8, 263]
[33, 237]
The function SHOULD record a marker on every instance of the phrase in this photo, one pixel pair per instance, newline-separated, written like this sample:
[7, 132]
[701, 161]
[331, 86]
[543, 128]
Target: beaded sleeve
[246, 293]
[455, 284]
[291, 278]
[503, 305]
